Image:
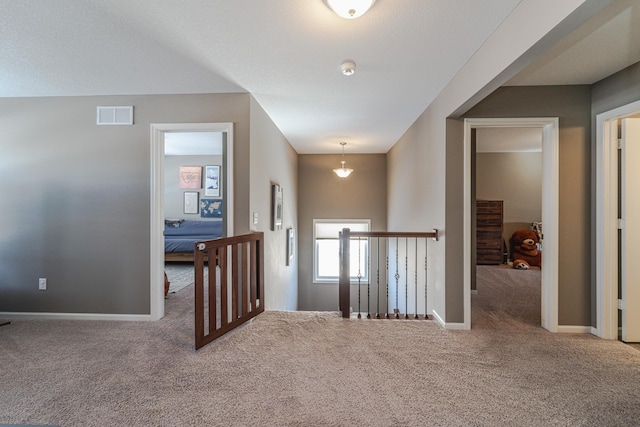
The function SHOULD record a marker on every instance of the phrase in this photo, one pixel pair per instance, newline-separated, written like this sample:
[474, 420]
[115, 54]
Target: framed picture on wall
[190, 202]
[212, 181]
[190, 176]
[276, 206]
[211, 208]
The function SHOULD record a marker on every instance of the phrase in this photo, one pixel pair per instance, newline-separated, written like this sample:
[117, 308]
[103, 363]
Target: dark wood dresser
[489, 232]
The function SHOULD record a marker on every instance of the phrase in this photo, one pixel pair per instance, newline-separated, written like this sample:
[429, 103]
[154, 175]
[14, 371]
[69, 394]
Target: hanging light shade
[343, 171]
[350, 9]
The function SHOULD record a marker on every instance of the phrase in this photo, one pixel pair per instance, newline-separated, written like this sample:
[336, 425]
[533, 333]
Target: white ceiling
[286, 53]
[607, 43]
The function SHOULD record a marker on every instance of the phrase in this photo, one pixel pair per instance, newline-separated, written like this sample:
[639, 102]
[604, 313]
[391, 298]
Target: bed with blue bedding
[180, 237]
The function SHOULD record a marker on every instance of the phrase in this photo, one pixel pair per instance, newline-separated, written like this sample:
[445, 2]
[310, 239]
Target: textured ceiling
[286, 53]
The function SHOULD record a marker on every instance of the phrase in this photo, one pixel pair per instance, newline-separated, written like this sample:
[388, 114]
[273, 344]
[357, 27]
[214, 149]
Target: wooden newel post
[344, 284]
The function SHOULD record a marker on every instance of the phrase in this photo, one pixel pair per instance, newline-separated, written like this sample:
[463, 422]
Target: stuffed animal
[525, 249]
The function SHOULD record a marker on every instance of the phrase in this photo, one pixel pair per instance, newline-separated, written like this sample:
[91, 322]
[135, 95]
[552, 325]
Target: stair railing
[400, 262]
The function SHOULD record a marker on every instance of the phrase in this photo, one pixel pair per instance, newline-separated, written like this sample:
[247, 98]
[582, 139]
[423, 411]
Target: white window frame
[346, 223]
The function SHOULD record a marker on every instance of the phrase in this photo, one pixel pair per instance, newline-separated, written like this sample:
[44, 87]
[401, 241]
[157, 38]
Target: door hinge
[620, 223]
[620, 304]
[620, 143]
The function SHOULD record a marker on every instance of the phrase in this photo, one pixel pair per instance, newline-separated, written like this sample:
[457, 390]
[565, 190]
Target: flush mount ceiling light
[343, 172]
[348, 67]
[349, 9]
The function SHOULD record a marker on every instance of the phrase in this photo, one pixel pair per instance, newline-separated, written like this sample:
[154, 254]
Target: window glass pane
[327, 250]
[331, 230]
[328, 258]
[361, 258]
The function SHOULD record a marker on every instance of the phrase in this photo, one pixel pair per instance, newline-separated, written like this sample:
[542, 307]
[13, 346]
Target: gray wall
[572, 105]
[274, 161]
[76, 197]
[516, 179]
[322, 195]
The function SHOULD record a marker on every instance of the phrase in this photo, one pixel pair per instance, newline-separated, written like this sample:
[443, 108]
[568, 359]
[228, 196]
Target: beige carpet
[507, 298]
[315, 369]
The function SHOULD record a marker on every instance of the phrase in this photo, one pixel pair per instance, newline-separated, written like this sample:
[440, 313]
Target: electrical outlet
[42, 284]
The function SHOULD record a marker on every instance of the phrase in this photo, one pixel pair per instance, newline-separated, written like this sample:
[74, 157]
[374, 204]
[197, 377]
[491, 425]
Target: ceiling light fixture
[348, 67]
[343, 172]
[349, 9]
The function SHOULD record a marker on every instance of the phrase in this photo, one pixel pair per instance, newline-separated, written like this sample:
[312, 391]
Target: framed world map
[211, 208]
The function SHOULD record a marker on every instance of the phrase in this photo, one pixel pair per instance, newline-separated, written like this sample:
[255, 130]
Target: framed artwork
[212, 181]
[211, 208]
[190, 202]
[190, 176]
[291, 238]
[276, 207]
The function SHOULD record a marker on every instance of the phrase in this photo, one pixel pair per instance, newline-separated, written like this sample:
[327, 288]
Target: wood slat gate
[233, 291]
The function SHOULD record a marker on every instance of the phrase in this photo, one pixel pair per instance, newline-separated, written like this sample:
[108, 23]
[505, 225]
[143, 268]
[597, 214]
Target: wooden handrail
[426, 235]
[244, 292]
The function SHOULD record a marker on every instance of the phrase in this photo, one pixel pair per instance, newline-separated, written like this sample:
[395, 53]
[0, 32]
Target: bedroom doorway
[160, 133]
[550, 182]
[617, 211]
[507, 190]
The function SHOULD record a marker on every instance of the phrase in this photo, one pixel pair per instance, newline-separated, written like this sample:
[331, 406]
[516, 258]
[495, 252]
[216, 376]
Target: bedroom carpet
[316, 369]
[180, 276]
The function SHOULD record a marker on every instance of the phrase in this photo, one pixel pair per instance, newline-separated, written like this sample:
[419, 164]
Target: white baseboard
[74, 316]
[438, 319]
[567, 329]
[450, 325]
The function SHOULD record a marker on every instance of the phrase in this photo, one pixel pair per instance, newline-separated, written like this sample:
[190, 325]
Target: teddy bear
[525, 249]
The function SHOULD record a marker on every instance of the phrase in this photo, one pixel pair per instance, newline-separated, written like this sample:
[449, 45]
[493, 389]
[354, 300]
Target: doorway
[158, 132]
[507, 190]
[617, 294]
[550, 183]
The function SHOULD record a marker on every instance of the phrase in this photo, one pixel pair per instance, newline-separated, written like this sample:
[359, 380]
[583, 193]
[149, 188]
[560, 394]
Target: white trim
[550, 209]
[566, 329]
[157, 200]
[75, 316]
[607, 219]
[438, 319]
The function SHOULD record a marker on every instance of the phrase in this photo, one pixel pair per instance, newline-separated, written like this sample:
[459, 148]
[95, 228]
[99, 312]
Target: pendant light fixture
[342, 171]
[349, 9]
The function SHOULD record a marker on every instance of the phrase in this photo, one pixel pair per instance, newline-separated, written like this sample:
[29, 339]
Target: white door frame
[550, 209]
[607, 219]
[156, 289]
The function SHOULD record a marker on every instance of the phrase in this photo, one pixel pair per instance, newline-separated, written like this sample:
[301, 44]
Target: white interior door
[630, 240]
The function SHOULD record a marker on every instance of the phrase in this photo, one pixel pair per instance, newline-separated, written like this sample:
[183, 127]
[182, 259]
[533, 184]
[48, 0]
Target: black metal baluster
[368, 278]
[397, 276]
[426, 315]
[386, 280]
[359, 278]
[406, 278]
[415, 316]
[378, 280]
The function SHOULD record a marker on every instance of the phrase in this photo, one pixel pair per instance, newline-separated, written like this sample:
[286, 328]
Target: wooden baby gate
[233, 291]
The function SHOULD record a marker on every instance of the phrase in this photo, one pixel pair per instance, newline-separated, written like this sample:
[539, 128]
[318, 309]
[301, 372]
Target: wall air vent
[114, 116]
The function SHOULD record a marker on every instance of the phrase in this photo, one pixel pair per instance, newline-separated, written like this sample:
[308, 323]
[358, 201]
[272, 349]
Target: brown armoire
[489, 232]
